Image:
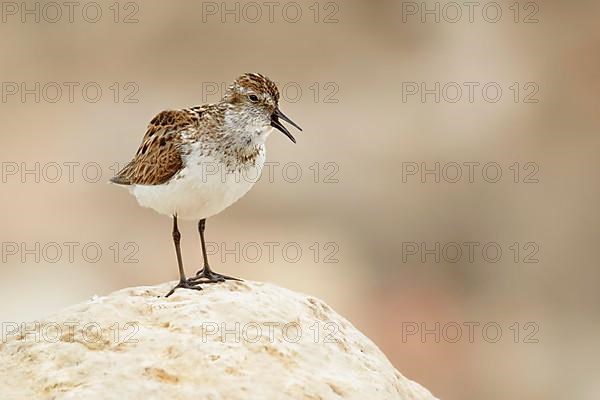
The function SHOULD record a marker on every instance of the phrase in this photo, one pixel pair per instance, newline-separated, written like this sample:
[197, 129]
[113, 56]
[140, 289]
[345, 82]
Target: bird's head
[256, 98]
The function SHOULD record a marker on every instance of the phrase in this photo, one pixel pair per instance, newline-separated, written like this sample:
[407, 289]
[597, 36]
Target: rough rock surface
[236, 340]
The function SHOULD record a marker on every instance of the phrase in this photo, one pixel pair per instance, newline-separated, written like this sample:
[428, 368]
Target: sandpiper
[169, 172]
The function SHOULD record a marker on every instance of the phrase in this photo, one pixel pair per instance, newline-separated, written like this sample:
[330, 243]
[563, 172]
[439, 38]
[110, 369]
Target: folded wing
[159, 156]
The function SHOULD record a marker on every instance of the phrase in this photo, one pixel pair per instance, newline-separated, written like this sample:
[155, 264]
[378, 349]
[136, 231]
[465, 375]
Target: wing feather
[159, 156]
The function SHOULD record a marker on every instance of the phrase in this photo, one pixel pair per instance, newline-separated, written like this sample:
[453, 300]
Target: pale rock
[236, 340]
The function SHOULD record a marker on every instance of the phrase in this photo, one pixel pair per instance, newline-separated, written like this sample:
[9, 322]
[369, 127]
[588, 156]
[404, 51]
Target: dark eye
[253, 98]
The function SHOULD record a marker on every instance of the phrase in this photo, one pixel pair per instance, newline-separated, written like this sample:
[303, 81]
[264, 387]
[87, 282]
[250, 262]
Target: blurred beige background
[351, 202]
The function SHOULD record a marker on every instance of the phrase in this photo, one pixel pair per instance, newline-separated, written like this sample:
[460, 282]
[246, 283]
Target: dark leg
[201, 228]
[177, 241]
[183, 282]
[206, 274]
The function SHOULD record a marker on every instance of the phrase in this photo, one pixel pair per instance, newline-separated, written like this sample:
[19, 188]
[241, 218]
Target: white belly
[200, 190]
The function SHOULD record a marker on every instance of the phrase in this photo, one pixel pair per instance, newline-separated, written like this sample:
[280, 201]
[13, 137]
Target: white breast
[201, 189]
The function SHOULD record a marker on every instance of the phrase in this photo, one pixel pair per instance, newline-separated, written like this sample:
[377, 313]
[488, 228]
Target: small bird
[195, 162]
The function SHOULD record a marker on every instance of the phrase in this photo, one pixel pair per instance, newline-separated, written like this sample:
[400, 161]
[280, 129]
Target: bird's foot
[205, 275]
[187, 284]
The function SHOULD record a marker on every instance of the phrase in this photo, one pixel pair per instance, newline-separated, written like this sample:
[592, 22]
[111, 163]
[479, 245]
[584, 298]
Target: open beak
[276, 123]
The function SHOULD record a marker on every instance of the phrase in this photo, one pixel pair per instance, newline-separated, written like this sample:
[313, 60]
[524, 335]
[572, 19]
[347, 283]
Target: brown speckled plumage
[159, 156]
[170, 134]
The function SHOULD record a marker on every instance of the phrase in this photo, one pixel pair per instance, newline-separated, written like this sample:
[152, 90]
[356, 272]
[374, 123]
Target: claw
[205, 275]
[187, 284]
